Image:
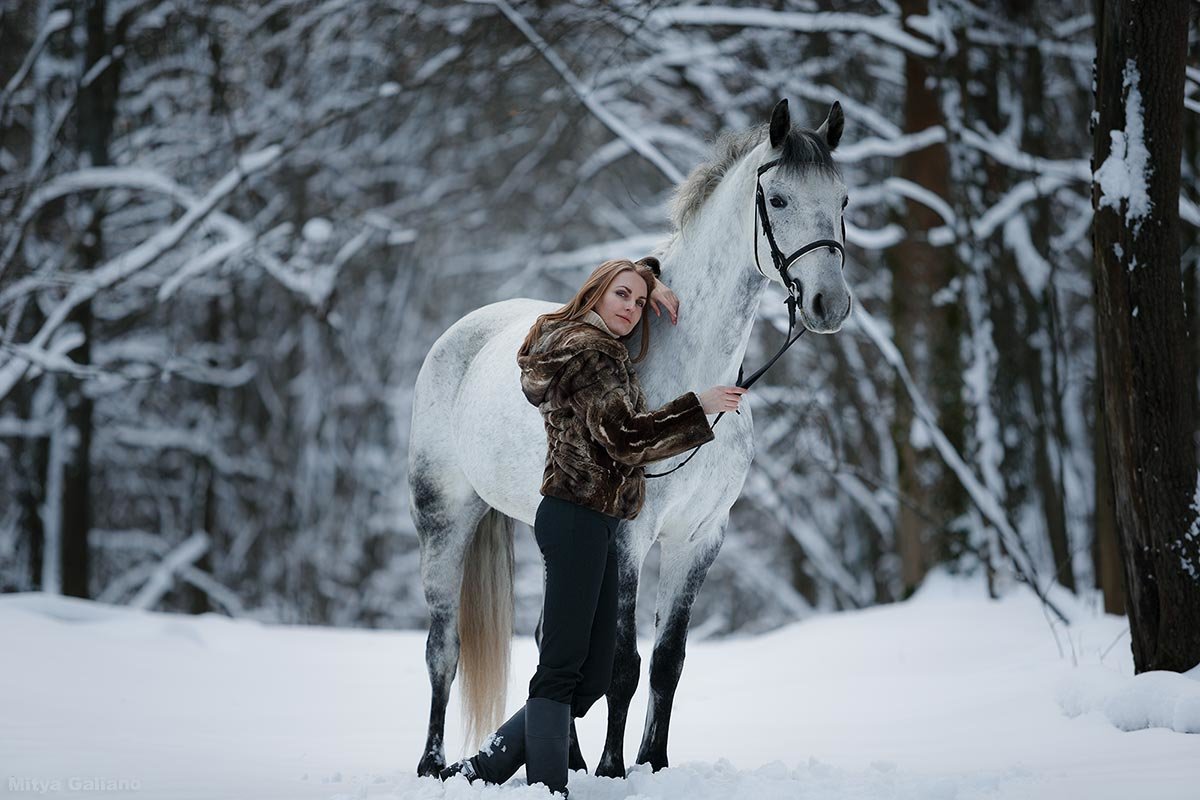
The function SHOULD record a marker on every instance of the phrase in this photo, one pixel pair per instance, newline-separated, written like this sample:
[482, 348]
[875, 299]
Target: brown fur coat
[599, 432]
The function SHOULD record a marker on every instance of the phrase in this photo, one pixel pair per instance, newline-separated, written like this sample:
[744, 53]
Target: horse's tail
[485, 625]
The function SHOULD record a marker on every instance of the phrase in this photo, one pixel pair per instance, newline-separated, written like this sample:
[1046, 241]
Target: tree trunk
[92, 142]
[1106, 555]
[1191, 255]
[926, 334]
[1050, 441]
[1147, 362]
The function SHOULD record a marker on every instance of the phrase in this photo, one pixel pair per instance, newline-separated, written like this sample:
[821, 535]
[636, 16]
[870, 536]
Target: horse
[477, 447]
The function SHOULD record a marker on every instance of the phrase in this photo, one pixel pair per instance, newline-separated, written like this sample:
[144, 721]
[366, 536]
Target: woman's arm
[598, 396]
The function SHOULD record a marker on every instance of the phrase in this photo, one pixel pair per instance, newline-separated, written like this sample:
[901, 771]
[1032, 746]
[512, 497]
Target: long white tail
[485, 626]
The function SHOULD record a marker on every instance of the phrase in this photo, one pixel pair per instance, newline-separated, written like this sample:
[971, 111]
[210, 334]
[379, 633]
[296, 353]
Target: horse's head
[802, 197]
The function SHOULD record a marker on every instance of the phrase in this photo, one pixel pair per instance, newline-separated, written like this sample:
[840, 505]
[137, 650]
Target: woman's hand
[663, 294]
[721, 398]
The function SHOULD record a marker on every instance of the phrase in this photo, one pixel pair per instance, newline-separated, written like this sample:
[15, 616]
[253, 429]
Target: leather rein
[781, 263]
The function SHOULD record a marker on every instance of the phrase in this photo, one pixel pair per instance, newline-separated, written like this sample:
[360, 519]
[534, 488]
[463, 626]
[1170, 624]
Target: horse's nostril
[818, 306]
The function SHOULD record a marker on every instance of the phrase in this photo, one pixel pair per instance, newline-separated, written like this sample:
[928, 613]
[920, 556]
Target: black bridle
[781, 263]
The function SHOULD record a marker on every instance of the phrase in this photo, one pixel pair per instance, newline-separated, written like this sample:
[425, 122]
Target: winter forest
[230, 233]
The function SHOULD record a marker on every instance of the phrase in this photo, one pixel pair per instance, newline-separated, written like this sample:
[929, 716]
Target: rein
[781, 263]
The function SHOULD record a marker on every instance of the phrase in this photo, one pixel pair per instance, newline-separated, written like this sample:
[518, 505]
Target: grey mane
[802, 149]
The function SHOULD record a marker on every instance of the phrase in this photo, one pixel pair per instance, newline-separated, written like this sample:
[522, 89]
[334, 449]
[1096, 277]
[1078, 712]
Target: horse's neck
[710, 267]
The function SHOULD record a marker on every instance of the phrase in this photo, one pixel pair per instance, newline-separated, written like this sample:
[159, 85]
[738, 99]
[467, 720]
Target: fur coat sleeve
[597, 390]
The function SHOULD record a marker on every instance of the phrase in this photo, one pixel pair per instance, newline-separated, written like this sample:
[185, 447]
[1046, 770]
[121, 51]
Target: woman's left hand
[663, 294]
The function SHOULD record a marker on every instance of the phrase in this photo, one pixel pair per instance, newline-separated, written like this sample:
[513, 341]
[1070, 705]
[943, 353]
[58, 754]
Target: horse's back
[450, 357]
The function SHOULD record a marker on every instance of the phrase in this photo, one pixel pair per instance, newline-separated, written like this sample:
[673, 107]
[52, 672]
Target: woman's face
[621, 306]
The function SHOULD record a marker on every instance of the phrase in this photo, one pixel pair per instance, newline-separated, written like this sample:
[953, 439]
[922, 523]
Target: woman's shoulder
[569, 350]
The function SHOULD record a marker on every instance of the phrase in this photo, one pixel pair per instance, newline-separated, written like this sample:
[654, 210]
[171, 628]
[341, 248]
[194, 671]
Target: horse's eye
[777, 201]
[845, 202]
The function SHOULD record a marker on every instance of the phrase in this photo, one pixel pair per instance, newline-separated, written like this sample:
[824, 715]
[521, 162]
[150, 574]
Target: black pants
[579, 612]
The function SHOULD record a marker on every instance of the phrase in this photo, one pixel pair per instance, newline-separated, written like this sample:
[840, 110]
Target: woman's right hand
[721, 398]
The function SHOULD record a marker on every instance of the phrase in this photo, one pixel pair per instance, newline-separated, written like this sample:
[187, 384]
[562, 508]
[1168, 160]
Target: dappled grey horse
[477, 447]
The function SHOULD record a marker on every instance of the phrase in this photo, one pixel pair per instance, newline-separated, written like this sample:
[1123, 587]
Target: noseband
[782, 263]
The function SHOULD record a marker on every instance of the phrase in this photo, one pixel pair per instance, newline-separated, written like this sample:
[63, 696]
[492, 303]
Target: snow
[1033, 267]
[1124, 175]
[978, 376]
[1012, 202]
[918, 435]
[1187, 563]
[56, 22]
[914, 191]
[936, 28]
[431, 67]
[317, 230]
[1193, 530]
[853, 152]
[1150, 700]
[874, 239]
[947, 695]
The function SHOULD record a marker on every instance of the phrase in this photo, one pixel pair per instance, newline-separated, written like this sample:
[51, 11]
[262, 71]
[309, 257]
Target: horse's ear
[831, 128]
[781, 123]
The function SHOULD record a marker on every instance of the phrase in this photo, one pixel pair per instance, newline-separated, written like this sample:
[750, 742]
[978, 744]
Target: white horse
[477, 447]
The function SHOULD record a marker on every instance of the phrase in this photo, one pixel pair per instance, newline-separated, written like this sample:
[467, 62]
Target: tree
[1147, 364]
[927, 332]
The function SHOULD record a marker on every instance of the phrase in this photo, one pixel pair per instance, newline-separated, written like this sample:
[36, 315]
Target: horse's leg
[445, 525]
[627, 664]
[684, 565]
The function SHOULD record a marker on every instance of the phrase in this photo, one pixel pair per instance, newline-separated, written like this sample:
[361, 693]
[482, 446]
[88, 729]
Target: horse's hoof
[430, 765]
[610, 769]
[575, 761]
[656, 763]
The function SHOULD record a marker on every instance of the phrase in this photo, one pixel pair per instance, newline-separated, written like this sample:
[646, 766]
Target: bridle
[781, 263]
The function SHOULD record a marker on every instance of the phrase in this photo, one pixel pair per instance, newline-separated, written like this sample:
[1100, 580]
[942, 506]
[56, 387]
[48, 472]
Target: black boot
[502, 754]
[547, 731]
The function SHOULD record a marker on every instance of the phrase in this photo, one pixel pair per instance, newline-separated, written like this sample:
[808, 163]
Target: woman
[575, 368]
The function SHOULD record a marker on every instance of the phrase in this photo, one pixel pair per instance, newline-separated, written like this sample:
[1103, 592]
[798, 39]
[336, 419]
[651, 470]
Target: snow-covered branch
[56, 22]
[884, 28]
[162, 576]
[137, 259]
[197, 443]
[768, 482]
[628, 134]
[14, 427]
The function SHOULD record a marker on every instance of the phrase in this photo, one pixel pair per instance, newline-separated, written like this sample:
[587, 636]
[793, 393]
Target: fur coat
[579, 375]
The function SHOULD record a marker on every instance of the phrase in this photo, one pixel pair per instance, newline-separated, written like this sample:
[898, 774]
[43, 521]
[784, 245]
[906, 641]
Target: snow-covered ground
[949, 695]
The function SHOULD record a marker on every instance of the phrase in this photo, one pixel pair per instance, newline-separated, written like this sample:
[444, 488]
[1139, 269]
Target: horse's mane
[802, 149]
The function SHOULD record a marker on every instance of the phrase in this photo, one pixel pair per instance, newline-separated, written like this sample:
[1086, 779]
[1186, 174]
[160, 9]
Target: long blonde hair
[593, 289]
